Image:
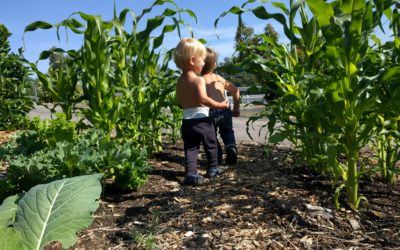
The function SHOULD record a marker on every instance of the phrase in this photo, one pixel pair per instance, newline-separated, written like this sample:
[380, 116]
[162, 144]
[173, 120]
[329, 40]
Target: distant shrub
[14, 103]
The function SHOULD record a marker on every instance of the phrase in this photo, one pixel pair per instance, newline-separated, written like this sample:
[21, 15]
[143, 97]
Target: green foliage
[54, 130]
[23, 143]
[61, 81]
[247, 43]
[93, 152]
[127, 166]
[331, 85]
[10, 239]
[8, 210]
[243, 40]
[14, 103]
[249, 46]
[124, 75]
[42, 134]
[147, 239]
[386, 144]
[41, 167]
[49, 212]
[386, 138]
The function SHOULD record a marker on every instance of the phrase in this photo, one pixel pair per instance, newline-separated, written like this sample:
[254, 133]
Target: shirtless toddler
[216, 87]
[197, 127]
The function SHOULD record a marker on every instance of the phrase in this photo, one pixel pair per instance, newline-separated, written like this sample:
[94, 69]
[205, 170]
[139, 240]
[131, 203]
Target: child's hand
[226, 104]
[236, 112]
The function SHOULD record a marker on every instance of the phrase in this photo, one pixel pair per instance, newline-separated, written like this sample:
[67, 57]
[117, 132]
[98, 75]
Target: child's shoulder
[192, 81]
[199, 79]
[219, 78]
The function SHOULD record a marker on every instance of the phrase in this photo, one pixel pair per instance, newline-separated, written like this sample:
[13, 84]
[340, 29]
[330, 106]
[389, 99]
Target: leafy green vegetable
[8, 210]
[92, 152]
[51, 212]
[10, 239]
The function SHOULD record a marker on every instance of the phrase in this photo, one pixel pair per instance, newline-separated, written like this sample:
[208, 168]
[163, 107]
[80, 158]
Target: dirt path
[260, 203]
[268, 200]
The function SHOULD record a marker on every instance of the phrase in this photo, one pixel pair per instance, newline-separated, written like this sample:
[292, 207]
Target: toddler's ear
[192, 60]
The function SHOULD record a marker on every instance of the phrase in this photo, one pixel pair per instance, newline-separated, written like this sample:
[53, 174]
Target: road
[239, 126]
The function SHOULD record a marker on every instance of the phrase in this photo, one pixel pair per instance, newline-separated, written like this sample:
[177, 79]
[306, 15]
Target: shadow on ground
[259, 203]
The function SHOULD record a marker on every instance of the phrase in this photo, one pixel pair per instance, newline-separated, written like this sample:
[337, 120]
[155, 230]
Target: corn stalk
[125, 79]
[327, 102]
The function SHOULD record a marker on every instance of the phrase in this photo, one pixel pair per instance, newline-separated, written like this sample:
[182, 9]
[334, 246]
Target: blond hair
[187, 48]
[210, 63]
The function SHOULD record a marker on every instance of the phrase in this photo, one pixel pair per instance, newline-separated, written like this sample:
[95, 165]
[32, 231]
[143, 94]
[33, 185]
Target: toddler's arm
[205, 100]
[235, 93]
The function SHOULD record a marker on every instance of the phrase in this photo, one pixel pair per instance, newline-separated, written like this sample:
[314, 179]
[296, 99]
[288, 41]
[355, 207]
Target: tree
[247, 43]
[243, 38]
[14, 75]
[250, 46]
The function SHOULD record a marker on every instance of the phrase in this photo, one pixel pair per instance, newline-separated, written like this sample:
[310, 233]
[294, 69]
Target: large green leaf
[9, 239]
[7, 211]
[57, 211]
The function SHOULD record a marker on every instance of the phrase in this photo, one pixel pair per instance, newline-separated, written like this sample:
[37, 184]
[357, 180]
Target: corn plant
[298, 115]
[328, 100]
[386, 142]
[125, 80]
[60, 83]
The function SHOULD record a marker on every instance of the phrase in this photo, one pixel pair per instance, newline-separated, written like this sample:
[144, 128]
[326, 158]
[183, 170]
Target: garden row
[335, 87]
[119, 85]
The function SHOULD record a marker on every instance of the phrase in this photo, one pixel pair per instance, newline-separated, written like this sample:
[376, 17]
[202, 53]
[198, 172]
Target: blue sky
[17, 14]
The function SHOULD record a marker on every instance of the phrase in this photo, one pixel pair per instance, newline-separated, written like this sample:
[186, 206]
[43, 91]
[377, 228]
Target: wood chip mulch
[265, 201]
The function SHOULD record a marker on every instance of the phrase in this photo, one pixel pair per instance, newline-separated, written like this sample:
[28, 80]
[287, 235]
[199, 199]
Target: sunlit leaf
[38, 25]
[322, 10]
[49, 212]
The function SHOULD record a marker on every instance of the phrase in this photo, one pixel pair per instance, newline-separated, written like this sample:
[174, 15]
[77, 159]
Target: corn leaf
[38, 25]
[323, 11]
[392, 74]
[281, 6]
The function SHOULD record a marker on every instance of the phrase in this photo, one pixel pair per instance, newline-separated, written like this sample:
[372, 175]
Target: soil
[265, 201]
[268, 200]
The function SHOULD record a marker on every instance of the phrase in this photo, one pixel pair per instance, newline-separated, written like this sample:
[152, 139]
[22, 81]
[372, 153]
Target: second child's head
[189, 52]
[210, 61]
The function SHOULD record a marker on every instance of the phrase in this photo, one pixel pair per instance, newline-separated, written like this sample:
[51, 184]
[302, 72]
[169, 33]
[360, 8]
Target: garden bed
[256, 204]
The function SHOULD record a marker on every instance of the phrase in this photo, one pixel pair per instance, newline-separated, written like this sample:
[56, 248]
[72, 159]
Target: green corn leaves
[329, 82]
[38, 25]
[125, 81]
[322, 10]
